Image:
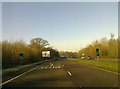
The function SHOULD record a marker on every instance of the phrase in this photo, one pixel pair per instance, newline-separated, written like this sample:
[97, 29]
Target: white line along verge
[101, 69]
[69, 73]
[17, 77]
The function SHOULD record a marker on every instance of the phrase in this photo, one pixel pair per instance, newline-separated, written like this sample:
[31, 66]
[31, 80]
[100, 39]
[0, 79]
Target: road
[64, 73]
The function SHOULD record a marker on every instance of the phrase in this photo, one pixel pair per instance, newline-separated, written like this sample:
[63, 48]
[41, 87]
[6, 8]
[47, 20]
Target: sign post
[21, 56]
[97, 52]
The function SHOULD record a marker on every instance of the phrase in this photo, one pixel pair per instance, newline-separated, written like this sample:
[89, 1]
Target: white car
[82, 57]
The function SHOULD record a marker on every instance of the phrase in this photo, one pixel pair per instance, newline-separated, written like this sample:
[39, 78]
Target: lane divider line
[17, 76]
[69, 73]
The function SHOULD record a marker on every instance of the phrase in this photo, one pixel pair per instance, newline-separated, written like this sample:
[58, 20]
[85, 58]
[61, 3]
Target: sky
[67, 26]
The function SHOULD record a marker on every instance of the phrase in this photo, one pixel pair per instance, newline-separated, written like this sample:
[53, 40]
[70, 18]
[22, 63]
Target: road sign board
[21, 56]
[45, 53]
[97, 52]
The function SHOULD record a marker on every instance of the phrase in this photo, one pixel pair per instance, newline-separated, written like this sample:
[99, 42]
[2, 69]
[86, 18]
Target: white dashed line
[69, 73]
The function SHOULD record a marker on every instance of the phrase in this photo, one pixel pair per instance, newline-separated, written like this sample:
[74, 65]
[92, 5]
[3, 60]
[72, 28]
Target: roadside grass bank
[108, 64]
[12, 72]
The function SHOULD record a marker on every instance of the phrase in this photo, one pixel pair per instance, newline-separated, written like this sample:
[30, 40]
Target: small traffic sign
[21, 56]
[97, 52]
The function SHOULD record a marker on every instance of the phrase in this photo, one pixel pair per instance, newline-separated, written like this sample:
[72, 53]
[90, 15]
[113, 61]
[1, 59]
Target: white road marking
[51, 64]
[53, 67]
[58, 66]
[17, 76]
[69, 73]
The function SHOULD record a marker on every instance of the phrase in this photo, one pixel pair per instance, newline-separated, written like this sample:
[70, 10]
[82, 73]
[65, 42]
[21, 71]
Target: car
[82, 57]
[89, 58]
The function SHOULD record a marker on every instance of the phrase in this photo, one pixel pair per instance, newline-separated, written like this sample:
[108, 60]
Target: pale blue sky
[66, 26]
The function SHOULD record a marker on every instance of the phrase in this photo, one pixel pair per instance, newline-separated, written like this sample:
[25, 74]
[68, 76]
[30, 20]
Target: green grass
[15, 69]
[108, 64]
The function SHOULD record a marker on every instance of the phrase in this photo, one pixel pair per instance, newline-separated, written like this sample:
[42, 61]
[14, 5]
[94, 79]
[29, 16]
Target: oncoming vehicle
[82, 57]
[89, 58]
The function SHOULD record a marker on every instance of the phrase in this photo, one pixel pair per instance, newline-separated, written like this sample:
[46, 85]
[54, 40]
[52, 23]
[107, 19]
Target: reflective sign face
[21, 56]
[45, 53]
[97, 52]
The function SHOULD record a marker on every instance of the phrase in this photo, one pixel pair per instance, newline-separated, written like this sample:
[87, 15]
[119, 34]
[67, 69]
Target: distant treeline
[108, 48]
[31, 52]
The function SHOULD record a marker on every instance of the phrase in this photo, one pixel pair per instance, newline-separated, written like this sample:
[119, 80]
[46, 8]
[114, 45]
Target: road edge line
[17, 76]
[100, 69]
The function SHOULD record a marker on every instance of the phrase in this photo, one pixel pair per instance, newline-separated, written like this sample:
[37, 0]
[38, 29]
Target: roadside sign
[21, 56]
[45, 53]
[97, 52]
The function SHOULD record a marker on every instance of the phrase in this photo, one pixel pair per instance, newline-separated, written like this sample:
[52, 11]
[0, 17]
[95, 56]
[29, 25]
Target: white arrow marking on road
[53, 67]
[69, 73]
[58, 66]
[51, 64]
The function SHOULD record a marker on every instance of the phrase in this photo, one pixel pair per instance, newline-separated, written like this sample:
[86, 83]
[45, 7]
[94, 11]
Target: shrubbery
[108, 48]
[32, 52]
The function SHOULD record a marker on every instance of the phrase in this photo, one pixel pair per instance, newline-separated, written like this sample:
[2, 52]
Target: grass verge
[108, 64]
[12, 70]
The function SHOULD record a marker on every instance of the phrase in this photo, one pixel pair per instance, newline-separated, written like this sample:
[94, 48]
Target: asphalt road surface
[64, 73]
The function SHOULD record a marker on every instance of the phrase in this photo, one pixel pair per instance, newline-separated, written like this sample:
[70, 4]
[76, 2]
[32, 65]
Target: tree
[108, 48]
[39, 43]
[68, 54]
[36, 45]
[113, 47]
